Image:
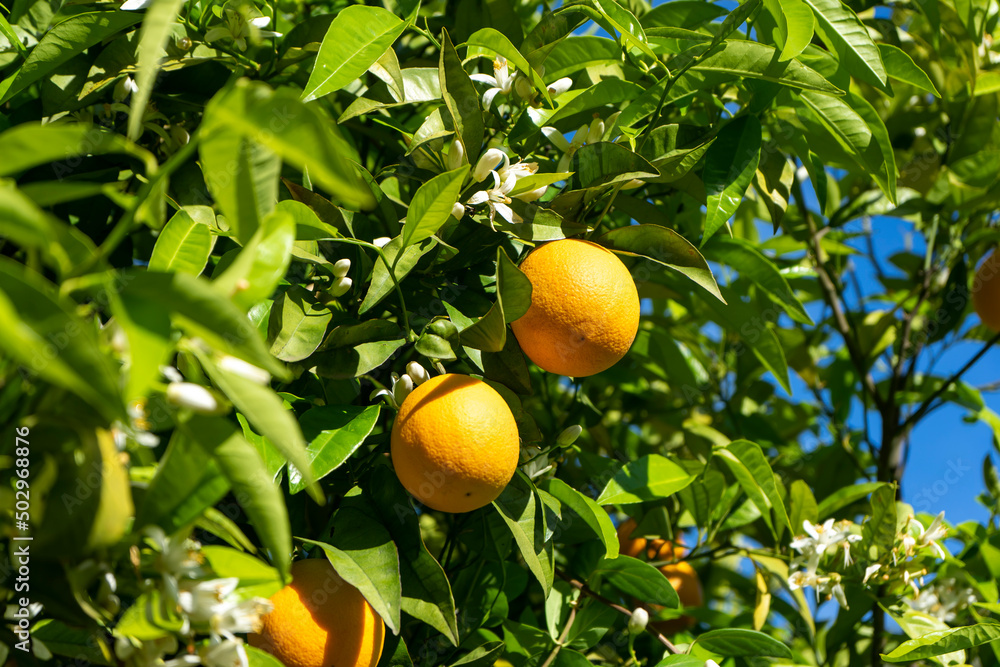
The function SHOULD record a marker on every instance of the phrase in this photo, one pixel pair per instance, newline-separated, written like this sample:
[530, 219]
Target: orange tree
[239, 239]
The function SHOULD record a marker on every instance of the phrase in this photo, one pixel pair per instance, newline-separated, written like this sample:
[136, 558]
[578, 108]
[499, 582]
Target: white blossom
[569, 435]
[501, 81]
[193, 397]
[340, 286]
[943, 599]
[637, 623]
[381, 242]
[456, 155]
[229, 652]
[244, 369]
[869, 571]
[238, 28]
[341, 267]
[417, 373]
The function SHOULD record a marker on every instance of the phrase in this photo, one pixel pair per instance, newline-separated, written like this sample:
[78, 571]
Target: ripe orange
[455, 444]
[986, 292]
[584, 310]
[681, 575]
[319, 620]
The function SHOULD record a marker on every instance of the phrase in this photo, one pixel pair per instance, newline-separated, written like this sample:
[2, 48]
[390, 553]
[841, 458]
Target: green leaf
[591, 513]
[74, 643]
[602, 93]
[257, 578]
[865, 144]
[730, 164]
[43, 334]
[31, 145]
[944, 641]
[482, 656]
[200, 311]
[841, 28]
[801, 506]
[639, 580]
[745, 59]
[402, 258]
[901, 67]
[742, 642]
[258, 658]
[261, 264]
[751, 264]
[427, 594]
[149, 617]
[845, 496]
[489, 333]
[157, 26]
[259, 497]
[334, 433]
[663, 246]
[66, 40]
[650, 478]
[460, 98]
[187, 482]
[880, 528]
[355, 40]
[297, 324]
[364, 555]
[431, 205]
[265, 410]
[521, 509]
[797, 24]
[183, 246]
[629, 28]
[681, 660]
[61, 246]
[605, 163]
[495, 42]
[299, 133]
[748, 464]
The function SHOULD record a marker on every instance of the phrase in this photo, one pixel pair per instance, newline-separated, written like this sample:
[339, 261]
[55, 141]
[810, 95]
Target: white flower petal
[556, 137]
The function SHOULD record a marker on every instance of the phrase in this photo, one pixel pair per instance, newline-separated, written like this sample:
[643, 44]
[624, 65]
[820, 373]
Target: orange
[455, 444]
[584, 310]
[681, 575]
[986, 292]
[319, 620]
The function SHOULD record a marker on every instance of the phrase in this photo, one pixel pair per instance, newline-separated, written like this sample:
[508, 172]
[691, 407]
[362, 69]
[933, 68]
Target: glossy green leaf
[639, 580]
[297, 324]
[521, 509]
[65, 40]
[31, 145]
[751, 264]
[256, 578]
[261, 264]
[801, 506]
[605, 163]
[944, 641]
[629, 29]
[183, 246]
[797, 24]
[843, 497]
[402, 258]
[355, 40]
[730, 164]
[841, 28]
[591, 513]
[745, 59]
[489, 333]
[748, 464]
[481, 656]
[334, 433]
[900, 66]
[364, 555]
[650, 478]
[432, 204]
[259, 497]
[493, 41]
[460, 98]
[742, 642]
[663, 246]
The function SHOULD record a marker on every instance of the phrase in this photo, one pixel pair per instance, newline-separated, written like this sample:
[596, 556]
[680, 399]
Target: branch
[586, 590]
[834, 301]
[926, 406]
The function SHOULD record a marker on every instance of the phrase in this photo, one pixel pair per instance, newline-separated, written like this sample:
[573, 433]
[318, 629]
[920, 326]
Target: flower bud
[636, 624]
[381, 241]
[569, 435]
[245, 370]
[417, 372]
[560, 86]
[124, 88]
[532, 195]
[194, 397]
[340, 286]
[180, 135]
[341, 268]
[401, 388]
[523, 87]
[457, 210]
[456, 155]
[487, 162]
[596, 131]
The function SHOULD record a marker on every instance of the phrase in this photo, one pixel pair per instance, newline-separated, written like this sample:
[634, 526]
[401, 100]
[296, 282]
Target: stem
[586, 590]
[392, 274]
[563, 636]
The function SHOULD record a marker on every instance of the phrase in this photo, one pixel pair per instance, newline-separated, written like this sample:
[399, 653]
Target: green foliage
[235, 234]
